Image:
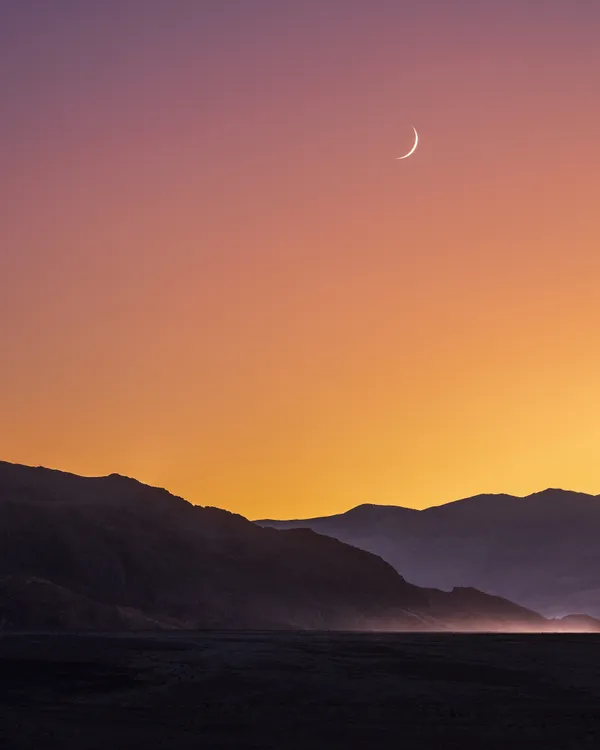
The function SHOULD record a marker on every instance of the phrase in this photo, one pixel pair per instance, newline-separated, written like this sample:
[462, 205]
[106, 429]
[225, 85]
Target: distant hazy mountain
[111, 552]
[542, 551]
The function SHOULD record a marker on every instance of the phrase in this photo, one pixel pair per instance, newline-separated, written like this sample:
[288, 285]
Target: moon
[413, 149]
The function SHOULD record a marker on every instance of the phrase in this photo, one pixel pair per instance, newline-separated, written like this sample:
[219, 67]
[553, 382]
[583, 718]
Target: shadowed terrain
[110, 553]
[298, 691]
[540, 551]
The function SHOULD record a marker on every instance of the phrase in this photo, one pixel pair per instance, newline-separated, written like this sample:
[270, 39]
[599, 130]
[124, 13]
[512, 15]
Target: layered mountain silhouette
[541, 551]
[112, 553]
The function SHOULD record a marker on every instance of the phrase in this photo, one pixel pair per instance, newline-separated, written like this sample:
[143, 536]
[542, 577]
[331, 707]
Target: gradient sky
[216, 277]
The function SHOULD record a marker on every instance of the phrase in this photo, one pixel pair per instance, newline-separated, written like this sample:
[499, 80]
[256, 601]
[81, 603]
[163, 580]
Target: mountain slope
[28, 603]
[110, 552]
[118, 542]
[540, 551]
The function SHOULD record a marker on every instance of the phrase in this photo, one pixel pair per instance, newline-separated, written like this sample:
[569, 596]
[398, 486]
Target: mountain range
[111, 553]
[541, 551]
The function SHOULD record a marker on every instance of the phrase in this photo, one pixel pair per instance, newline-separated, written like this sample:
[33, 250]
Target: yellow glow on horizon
[214, 278]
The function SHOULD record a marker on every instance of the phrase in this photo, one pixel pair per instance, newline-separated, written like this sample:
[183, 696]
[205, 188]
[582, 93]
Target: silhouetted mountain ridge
[540, 550]
[113, 552]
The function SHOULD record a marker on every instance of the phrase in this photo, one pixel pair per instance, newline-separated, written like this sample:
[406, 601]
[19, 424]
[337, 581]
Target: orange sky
[215, 276]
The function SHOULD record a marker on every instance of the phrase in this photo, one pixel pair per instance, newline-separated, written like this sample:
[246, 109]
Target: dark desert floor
[299, 691]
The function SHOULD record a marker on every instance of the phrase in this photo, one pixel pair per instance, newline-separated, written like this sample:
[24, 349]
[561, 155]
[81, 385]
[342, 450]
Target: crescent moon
[413, 149]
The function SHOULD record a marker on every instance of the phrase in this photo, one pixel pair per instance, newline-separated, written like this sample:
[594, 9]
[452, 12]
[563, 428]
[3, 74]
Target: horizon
[306, 518]
[218, 277]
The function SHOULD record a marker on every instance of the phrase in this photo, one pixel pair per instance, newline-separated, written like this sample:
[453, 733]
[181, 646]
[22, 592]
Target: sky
[216, 277]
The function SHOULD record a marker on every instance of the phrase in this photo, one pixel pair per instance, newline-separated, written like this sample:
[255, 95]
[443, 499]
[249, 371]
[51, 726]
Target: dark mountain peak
[365, 512]
[500, 505]
[555, 493]
[369, 510]
[27, 484]
[117, 542]
[481, 504]
[115, 477]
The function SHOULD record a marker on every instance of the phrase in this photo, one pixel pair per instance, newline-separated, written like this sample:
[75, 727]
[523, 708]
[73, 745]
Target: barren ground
[299, 691]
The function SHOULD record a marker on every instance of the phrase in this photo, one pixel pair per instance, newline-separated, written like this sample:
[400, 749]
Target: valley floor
[299, 691]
